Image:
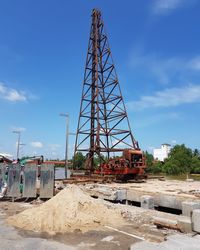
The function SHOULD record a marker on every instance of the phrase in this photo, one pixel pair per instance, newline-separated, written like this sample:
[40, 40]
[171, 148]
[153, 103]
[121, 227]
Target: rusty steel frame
[103, 125]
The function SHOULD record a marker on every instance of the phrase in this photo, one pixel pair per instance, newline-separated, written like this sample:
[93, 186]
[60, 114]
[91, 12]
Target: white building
[162, 153]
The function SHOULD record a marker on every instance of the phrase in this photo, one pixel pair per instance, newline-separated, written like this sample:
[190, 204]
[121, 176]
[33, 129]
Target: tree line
[181, 160]
[79, 161]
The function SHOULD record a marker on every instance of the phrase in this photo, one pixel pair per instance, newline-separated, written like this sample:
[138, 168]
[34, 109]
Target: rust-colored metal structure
[131, 165]
[103, 125]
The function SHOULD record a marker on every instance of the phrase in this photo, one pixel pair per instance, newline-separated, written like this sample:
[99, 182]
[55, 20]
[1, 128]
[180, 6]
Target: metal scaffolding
[103, 125]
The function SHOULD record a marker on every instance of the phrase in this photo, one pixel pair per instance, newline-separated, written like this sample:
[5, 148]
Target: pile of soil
[71, 209]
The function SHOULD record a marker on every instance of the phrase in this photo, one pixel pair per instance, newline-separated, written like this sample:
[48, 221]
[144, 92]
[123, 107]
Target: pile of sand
[69, 210]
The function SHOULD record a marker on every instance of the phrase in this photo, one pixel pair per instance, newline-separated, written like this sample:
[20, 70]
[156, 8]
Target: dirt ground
[101, 239]
[185, 189]
[139, 228]
[15, 238]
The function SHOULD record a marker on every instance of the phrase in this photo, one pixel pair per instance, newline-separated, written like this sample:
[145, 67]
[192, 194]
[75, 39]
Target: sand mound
[69, 210]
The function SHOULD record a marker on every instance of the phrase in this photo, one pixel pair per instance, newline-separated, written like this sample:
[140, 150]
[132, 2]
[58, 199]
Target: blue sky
[43, 45]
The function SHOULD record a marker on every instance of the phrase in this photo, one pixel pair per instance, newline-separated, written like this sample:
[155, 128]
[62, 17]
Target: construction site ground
[139, 232]
[13, 238]
[190, 189]
[166, 193]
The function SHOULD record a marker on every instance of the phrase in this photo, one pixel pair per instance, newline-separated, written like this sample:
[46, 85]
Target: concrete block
[196, 220]
[188, 207]
[185, 224]
[121, 195]
[165, 200]
[69, 173]
[133, 195]
[147, 202]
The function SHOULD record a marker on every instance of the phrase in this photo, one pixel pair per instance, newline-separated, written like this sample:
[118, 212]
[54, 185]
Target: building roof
[166, 144]
[5, 159]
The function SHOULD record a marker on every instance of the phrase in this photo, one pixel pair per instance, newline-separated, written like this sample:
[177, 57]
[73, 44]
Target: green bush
[181, 160]
[195, 165]
[156, 168]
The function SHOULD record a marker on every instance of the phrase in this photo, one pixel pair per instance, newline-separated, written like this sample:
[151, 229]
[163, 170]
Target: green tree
[179, 160]
[148, 159]
[196, 153]
[79, 160]
[195, 165]
[156, 168]
[98, 160]
[172, 167]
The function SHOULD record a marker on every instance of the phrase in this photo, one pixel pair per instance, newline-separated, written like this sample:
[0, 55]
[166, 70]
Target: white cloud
[168, 97]
[157, 118]
[11, 94]
[37, 144]
[20, 129]
[194, 63]
[164, 68]
[6, 155]
[54, 147]
[160, 67]
[161, 7]
[173, 142]
[2, 89]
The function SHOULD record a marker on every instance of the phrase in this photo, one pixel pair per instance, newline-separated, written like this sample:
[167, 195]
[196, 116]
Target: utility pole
[21, 144]
[67, 141]
[66, 145]
[18, 141]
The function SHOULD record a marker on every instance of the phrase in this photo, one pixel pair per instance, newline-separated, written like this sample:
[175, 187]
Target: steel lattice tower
[103, 125]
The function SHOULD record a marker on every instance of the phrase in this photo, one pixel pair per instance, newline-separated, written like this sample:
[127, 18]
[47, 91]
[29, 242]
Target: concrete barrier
[185, 224]
[147, 202]
[121, 195]
[188, 207]
[196, 220]
[163, 200]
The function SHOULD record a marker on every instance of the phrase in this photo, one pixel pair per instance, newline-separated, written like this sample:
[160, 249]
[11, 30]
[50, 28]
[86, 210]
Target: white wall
[161, 153]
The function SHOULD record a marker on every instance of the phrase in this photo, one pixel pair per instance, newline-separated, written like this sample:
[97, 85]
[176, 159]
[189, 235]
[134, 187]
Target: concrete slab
[169, 193]
[163, 200]
[174, 242]
[106, 192]
[196, 220]
[189, 206]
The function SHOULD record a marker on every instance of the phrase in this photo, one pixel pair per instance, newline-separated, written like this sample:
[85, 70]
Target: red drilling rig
[103, 130]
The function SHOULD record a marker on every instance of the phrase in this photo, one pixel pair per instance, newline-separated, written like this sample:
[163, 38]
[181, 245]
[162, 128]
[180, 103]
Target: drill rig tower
[103, 125]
